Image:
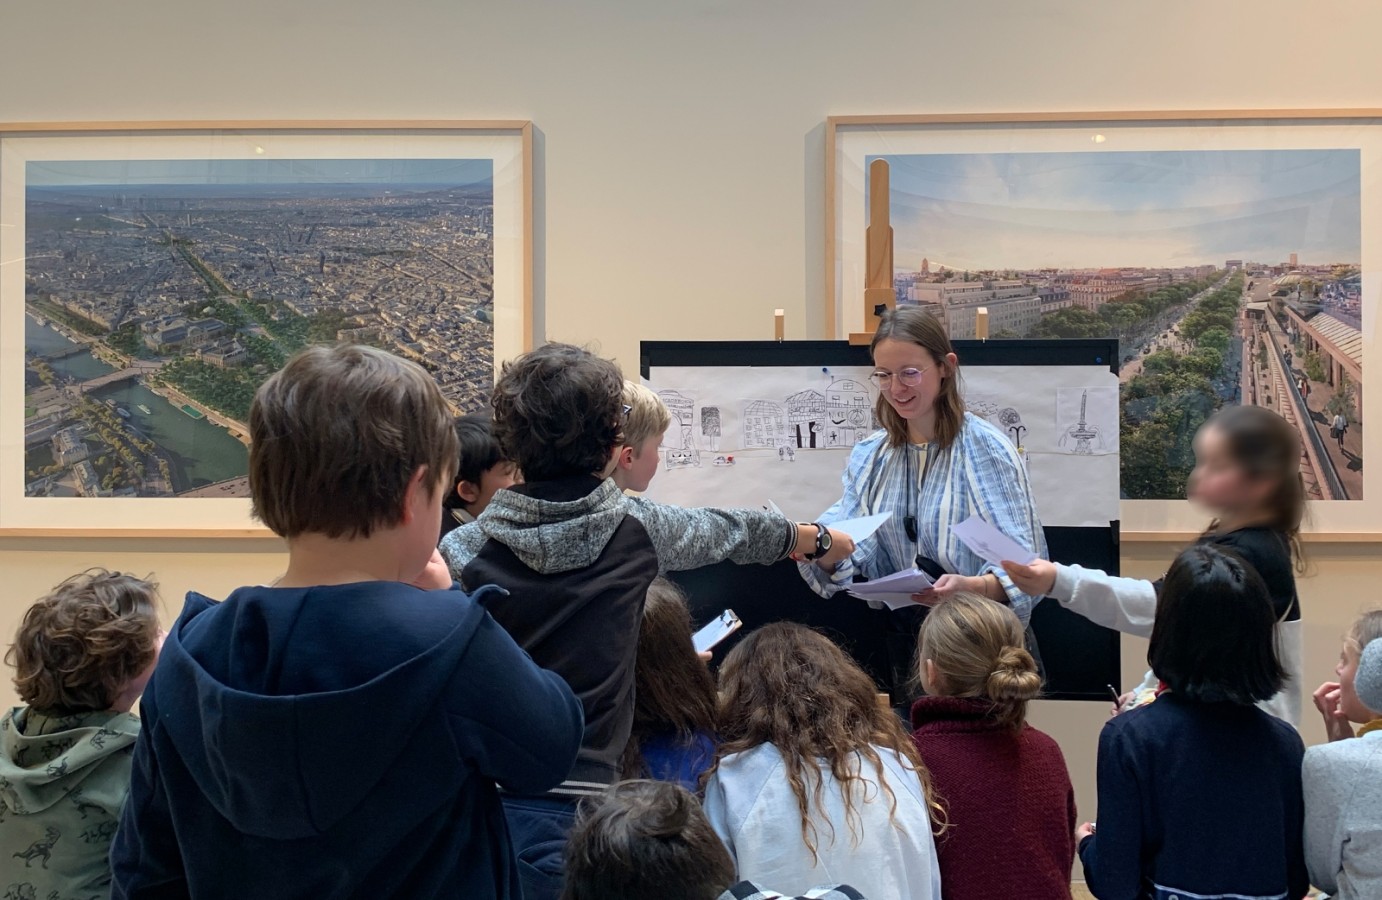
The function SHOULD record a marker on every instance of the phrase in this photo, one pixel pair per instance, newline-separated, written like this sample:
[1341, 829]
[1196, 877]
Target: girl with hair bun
[1003, 783]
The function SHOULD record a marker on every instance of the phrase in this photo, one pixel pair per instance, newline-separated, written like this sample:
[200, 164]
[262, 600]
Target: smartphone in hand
[722, 627]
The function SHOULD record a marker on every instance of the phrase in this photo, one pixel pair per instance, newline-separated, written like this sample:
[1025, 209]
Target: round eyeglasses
[908, 377]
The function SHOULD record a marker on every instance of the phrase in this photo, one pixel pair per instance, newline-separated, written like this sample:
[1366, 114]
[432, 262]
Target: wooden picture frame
[853, 141]
[459, 240]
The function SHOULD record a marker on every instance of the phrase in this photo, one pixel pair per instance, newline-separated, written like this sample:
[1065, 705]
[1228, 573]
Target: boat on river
[144, 409]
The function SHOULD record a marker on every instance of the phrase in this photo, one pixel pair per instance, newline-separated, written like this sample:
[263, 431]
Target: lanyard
[909, 521]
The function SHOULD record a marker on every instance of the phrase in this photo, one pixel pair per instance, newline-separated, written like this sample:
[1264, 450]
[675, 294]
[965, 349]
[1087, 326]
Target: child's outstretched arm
[1123, 604]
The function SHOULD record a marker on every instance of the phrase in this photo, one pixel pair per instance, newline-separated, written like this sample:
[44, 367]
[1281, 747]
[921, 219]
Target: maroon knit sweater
[1009, 801]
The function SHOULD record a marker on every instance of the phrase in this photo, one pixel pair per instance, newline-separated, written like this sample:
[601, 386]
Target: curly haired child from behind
[82, 656]
[817, 781]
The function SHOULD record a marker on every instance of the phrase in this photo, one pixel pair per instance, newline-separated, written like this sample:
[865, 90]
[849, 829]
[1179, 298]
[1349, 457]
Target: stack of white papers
[896, 590]
[990, 544]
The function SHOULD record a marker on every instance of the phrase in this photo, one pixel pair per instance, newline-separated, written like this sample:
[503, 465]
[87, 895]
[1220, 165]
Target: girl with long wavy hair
[817, 781]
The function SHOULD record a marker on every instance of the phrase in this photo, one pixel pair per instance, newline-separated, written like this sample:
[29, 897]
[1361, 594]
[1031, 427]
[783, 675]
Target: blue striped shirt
[980, 474]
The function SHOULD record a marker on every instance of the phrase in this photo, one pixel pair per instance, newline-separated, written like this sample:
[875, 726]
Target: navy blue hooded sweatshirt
[340, 742]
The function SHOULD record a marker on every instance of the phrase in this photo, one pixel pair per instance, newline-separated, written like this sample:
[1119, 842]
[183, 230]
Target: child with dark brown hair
[345, 731]
[82, 656]
[673, 735]
[817, 781]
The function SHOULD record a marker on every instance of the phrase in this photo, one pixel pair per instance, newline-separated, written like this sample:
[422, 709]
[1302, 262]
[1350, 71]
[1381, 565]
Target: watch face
[825, 540]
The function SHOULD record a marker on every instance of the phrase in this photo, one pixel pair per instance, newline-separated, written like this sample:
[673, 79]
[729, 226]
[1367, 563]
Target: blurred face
[496, 478]
[1218, 482]
[1347, 670]
[908, 377]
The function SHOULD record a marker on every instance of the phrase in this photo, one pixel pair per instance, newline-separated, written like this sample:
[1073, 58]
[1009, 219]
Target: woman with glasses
[932, 466]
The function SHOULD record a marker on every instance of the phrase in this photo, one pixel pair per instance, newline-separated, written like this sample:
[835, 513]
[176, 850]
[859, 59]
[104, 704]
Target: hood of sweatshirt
[44, 758]
[555, 526]
[344, 710]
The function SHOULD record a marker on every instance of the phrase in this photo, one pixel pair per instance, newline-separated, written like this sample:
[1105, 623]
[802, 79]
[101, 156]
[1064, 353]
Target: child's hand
[1336, 724]
[841, 548]
[1036, 579]
[1084, 831]
[436, 576]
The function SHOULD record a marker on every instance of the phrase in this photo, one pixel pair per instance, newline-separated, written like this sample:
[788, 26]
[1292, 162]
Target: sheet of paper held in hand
[859, 528]
[896, 590]
[990, 544]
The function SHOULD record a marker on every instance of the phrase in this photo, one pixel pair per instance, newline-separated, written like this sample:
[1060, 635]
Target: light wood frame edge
[524, 129]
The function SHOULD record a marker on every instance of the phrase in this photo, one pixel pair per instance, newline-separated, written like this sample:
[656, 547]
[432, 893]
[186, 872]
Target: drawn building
[806, 417]
[849, 413]
[678, 440]
[765, 424]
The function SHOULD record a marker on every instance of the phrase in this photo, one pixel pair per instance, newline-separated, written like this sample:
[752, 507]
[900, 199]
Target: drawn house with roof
[765, 424]
[806, 418]
[848, 412]
[679, 445]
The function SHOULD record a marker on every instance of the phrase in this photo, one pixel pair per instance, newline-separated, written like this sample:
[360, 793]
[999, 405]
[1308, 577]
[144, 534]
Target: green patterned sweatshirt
[63, 780]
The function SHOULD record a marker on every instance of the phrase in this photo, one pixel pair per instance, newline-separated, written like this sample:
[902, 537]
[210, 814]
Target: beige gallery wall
[680, 155]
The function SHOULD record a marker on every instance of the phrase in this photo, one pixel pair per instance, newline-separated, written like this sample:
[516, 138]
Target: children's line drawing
[765, 424]
[710, 426]
[678, 442]
[1091, 433]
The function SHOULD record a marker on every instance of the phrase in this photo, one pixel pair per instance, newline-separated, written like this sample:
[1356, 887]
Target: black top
[1269, 552]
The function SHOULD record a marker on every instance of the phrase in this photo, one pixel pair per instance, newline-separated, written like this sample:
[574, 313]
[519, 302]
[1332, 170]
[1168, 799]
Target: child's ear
[417, 495]
[468, 491]
[626, 458]
[931, 677]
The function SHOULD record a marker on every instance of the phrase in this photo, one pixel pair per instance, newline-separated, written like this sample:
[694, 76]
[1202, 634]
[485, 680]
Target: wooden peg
[981, 323]
[779, 324]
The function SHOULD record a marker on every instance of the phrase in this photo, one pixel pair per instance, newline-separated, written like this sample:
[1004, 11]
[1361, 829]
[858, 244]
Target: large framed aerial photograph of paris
[152, 277]
[1233, 255]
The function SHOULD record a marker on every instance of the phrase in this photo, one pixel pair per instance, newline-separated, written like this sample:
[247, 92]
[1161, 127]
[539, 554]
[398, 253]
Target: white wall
[681, 153]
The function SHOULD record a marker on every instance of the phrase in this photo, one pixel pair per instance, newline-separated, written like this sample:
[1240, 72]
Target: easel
[879, 293]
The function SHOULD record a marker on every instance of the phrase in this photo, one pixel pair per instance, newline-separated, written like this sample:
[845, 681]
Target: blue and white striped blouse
[980, 474]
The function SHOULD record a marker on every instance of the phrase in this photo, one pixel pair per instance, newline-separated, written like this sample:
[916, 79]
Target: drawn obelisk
[878, 253]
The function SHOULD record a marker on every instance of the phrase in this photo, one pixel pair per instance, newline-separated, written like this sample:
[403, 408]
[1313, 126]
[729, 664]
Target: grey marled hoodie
[555, 536]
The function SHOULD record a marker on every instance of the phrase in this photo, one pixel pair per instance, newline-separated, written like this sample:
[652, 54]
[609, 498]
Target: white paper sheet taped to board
[790, 429]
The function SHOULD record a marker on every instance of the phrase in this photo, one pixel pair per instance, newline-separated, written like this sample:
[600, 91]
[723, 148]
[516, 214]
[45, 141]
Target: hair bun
[1014, 677]
[1368, 680]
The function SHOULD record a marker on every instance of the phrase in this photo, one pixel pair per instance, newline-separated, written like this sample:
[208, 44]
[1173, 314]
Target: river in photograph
[201, 453]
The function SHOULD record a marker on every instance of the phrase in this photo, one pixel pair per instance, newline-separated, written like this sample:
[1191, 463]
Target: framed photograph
[1234, 255]
[153, 275]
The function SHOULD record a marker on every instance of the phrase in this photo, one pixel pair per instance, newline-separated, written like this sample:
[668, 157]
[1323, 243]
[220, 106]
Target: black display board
[1081, 659]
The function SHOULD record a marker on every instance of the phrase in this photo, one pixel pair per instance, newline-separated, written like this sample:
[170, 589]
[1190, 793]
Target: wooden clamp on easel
[879, 294]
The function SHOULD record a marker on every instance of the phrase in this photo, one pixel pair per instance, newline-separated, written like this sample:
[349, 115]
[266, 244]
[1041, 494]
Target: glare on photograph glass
[1228, 277]
[159, 294]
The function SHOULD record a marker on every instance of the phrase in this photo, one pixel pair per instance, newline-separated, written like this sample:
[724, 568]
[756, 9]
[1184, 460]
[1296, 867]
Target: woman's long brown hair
[788, 686]
[914, 325]
[674, 690]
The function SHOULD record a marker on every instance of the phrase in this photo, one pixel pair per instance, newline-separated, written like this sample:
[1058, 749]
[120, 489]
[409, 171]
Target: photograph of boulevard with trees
[1227, 276]
[159, 294]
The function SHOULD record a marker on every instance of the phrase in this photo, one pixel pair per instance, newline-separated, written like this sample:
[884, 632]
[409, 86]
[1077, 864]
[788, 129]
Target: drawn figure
[85, 806]
[710, 426]
[100, 833]
[24, 891]
[765, 424]
[806, 417]
[43, 848]
[1081, 437]
[787, 453]
[678, 441]
[57, 769]
[849, 411]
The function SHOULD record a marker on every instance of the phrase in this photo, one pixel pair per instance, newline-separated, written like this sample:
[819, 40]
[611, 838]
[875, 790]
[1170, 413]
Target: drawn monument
[678, 443]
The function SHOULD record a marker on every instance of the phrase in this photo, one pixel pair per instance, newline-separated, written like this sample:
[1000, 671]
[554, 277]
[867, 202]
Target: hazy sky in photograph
[55, 173]
[1143, 208]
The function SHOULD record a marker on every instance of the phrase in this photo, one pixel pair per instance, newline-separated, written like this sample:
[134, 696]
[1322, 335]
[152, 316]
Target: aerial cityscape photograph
[159, 294]
[1227, 276]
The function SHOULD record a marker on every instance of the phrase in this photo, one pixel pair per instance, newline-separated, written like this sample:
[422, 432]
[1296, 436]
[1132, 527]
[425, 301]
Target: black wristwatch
[823, 542]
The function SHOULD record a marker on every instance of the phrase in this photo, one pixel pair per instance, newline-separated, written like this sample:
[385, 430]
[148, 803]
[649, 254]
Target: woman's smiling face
[891, 357]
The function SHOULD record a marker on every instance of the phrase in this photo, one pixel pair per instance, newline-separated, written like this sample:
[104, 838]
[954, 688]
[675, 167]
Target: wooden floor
[1080, 892]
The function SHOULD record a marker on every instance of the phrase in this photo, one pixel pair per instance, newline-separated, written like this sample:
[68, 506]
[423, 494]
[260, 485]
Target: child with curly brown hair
[817, 781]
[82, 656]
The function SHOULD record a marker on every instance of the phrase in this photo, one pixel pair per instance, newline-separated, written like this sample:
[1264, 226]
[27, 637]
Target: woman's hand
[949, 585]
[1336, 725]
[1035, 579]
[436, 576]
